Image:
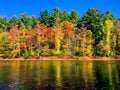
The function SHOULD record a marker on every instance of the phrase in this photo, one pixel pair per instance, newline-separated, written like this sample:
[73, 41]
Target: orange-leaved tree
[15, 45]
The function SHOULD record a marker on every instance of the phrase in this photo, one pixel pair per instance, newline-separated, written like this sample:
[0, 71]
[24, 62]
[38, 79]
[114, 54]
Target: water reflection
[107, 76]
[59, 75]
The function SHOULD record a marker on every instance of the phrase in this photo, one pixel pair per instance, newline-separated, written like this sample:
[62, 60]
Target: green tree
[74, 17]
[107, 35]
[46, 18]
[28, 21]
[13, 21]
[34, 21]
[65, 16]
[3, 24]
[93, 20]
[56, 13]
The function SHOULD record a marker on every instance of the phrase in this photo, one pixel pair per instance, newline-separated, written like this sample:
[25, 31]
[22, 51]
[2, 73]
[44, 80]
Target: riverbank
[75, 58]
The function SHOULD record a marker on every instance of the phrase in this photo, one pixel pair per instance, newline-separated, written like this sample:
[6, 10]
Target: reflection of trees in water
[60, 75]
[106, 76]
[115, 76]
[87, 77]
[78, 76]
[118, 70]
[110, 76]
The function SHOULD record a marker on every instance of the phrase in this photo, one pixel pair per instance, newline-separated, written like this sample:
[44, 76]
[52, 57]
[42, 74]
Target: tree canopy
[60, 33]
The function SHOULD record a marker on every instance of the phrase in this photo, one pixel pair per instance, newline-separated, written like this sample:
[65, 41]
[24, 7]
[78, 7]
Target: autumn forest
[61, 34]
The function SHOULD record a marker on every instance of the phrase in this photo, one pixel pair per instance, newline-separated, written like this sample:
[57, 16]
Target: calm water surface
[59, 75]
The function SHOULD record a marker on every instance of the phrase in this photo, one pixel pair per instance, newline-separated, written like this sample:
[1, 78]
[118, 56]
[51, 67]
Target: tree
[14, 45]
[34, 21]
[60, 33]
[29, 40]
[109, 15]
[84, 42]
[64, 16]
[44, 40]
[28, 21]
[46, 19]
[5, 41]
[93, 20]
[116, 37]
[68, 40]
[13, 21]
[105, 42]
[58, 36]
[3, 24]
[74, 18]
[56, 13]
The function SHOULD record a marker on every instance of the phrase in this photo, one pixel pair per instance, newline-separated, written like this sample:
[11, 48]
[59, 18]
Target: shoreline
[64, 59]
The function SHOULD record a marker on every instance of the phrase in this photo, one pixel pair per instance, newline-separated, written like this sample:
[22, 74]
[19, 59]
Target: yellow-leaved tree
[5, 41]
[84, 42]
[58, 31]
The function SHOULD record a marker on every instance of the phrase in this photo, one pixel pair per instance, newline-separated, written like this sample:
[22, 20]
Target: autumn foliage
[60, 34]
[23, 45]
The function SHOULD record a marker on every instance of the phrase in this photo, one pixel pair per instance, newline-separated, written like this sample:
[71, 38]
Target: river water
[59, 75]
